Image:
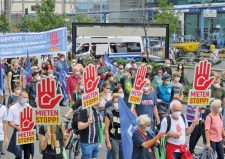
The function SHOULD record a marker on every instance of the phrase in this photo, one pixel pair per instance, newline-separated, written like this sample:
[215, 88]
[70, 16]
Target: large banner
[18, 44]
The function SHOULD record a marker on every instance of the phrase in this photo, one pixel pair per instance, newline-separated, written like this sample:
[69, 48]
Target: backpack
[75, 119]
[169, 121]
[127, 85]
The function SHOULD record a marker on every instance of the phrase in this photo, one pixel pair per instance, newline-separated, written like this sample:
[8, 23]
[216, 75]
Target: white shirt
[177, 126]
[14, 113]
[3, 117]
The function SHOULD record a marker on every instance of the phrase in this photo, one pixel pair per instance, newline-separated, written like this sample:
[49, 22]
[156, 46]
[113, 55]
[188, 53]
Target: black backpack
[75, 119]
[169, 121]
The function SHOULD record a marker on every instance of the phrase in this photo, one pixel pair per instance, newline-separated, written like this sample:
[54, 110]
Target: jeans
[89, 150]
[198, 131]
[218, 148]
[109, 155]
[177, 155]
[117, 152]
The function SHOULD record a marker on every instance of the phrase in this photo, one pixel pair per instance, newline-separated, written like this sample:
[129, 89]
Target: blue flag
[1, 77]
[63, 79]
[128, 125]
[28, 69]
[108, 65]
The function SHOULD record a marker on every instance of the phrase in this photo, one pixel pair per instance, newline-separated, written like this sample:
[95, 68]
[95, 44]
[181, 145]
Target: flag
[128, 125]
[63, 79]
[108, 65]
[1, 77]
[28, 69]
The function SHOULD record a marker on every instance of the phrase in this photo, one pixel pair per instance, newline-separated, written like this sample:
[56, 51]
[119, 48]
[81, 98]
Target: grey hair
[214, 103]
[143, 120]
[173, 103]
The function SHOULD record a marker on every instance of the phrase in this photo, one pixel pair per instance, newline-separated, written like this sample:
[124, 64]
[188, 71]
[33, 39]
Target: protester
[148, 105]
[119, 74]
[165, 94]
[106, 94]
[112, 131]
[158, 78]
[50, 65]
[214, 129]
[222, 84]
[14, 122]
[167, 69]
[109, 78]
[13, 76]
[176, 128]
[177, 86]
[31, 88]
[14, 98]
[72, 83]
[44, 67]
[3, 124]
[57, 67]
[88, 125]
[214, 57]
[52, 140]
[142, 140]
[180, 68]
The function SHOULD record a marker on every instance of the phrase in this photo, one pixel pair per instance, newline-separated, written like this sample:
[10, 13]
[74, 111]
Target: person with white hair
[176, 128]
[142, 140]
[214, 129]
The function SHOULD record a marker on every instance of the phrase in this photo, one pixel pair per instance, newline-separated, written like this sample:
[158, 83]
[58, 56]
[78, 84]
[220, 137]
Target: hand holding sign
[90, 79]
[26, 119]
[46, 95]
[140, 78]
[202, 76]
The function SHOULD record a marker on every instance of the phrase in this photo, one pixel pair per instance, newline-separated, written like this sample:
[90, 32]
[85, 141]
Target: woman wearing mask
[14, 98]
[180, 68]
[106, 94]
[52, 140]
[158, 78]
[214, 129]
[177, 86]
[142, 140]
[50, 65]
[112, 131]
[109, 79]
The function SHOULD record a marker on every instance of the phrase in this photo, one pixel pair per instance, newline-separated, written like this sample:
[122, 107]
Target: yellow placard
[135, 96]
[90, 99]
[47, 117]
[26, 137]
[197, 97]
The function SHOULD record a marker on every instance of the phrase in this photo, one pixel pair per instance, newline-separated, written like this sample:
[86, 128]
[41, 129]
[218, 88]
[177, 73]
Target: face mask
[38, 78]
[220, 110]
[17, 91]
[62, 59]
[177, 79]
[116, 106]
[167, 83]
[121, 95]
[81, 87]
[111, 79]
[77, 73]
[180, 67]
[24, 101]
[216, 85]
[146, 88]
[176, 114]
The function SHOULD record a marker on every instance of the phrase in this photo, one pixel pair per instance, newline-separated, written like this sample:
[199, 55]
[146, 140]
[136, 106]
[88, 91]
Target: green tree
[45, 20]
[79, 18]
[166, 16]
[4, 23]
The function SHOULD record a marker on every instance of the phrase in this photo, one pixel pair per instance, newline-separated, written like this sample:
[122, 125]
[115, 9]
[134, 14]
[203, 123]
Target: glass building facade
[186, 2]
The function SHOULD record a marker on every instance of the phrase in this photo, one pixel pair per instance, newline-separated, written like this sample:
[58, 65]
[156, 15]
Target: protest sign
[47, 102]
[48, 42]
[27, 133]
[91, 92]
[136, 92]
[200, 94]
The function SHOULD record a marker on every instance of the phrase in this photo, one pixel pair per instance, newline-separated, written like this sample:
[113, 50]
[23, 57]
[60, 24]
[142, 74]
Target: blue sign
[18, 44]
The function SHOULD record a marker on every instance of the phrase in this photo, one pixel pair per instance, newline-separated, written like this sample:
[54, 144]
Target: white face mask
[116, 106]
[62, 59]
[177, 79]
[81, 87]
[38, 78]
[176, 114]
[167, 83]
[121, 95]
[216, 85]
[180, 67]
[146, 88]
[111, 79]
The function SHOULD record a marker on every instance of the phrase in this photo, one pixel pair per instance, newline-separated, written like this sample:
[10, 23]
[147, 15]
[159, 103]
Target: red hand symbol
[140, 78]
[178, 128]
[90, 79]
[26, 119]
[46, 95]
[54, 40]
[202, 76]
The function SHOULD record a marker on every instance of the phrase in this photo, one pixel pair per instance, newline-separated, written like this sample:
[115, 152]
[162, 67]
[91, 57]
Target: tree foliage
[4, 23]
[45, 19]
[165, 16]
[83, 19]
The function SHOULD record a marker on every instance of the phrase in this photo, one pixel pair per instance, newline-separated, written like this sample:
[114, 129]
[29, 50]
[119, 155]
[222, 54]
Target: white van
[115, 47]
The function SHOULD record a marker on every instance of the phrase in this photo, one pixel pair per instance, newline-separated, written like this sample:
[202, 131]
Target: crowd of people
[160, 110]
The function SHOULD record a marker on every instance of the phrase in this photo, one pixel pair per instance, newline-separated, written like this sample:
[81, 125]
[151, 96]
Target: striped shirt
[190, 115]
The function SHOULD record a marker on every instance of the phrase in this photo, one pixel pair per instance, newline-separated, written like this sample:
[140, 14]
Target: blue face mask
[24, 101]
